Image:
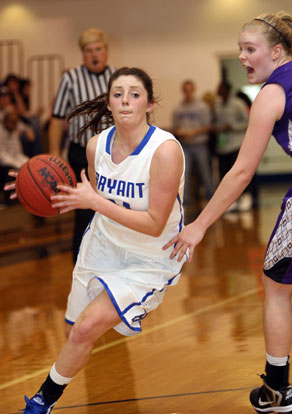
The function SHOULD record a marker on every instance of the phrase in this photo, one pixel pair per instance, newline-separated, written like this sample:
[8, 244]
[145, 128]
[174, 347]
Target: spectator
[12, 82]
[230, 126]
[191, 122]
[30, 118]
[5, 101]
[211, 98]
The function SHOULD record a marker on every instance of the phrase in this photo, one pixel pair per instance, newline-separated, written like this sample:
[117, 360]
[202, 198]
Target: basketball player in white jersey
[136, 184]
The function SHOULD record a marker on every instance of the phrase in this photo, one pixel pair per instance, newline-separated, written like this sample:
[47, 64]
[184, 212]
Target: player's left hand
[81, 197]
[185, 242]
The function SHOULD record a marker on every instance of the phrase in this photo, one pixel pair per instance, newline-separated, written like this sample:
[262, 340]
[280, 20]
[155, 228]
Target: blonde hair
[92, 35]
[276, 27]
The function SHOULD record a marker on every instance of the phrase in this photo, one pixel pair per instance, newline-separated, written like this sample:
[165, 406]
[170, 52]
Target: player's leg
[97, 318]
[278, 339]
[277, 317]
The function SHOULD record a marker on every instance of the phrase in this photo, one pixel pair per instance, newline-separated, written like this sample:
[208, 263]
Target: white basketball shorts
[136, 285]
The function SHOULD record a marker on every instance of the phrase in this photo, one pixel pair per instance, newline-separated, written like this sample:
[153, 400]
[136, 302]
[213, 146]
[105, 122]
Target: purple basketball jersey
[283, 128]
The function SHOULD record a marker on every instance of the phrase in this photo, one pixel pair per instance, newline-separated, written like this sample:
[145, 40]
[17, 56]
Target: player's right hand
[11, 185]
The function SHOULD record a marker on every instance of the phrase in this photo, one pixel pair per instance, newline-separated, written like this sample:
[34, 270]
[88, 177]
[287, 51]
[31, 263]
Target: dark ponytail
[98, 116]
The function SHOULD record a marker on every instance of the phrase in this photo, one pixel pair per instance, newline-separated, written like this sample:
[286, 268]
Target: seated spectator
[30, 118]
[5, 100]
[12, 82]
[19, 90]
[12, 136]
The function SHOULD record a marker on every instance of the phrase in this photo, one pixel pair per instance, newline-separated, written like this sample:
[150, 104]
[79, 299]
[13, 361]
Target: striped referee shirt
[79, 85]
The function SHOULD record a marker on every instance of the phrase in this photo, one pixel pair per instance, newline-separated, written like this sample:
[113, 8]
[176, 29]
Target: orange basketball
[37, 181]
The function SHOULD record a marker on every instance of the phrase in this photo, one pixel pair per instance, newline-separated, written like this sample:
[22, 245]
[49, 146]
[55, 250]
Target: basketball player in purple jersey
[265, 45]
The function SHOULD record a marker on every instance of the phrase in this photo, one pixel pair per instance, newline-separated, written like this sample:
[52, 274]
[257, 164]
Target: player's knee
[276, 291]
[87, 330]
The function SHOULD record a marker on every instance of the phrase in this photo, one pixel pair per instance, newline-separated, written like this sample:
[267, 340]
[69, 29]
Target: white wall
[171, 39]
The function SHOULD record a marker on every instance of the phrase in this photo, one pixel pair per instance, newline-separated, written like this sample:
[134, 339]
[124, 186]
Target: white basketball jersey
[127, 184]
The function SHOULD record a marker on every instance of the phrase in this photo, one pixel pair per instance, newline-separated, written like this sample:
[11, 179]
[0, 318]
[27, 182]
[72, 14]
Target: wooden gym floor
[199, 352]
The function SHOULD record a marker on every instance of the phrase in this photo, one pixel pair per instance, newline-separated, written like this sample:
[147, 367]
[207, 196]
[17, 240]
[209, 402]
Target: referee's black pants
[77, 160]
[226, 161]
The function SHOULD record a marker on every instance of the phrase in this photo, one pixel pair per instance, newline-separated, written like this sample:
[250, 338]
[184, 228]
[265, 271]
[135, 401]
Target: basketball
[37, 181]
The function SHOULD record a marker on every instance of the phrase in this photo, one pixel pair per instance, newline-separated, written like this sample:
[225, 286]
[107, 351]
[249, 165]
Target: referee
[77, 85]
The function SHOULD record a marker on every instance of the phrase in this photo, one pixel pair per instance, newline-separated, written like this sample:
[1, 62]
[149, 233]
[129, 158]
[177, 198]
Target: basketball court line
[160, 326]
[156, 397]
